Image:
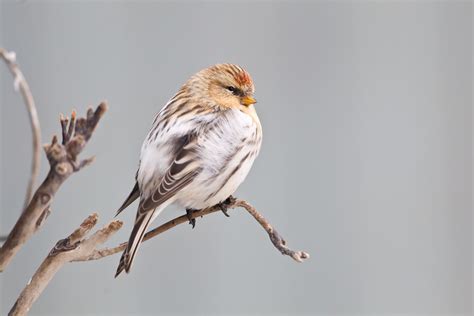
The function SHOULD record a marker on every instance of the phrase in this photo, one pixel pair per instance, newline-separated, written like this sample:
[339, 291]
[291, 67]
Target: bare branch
[65, 250]
[275, 238]
[63, 162]
[76, 248]
[21, 84]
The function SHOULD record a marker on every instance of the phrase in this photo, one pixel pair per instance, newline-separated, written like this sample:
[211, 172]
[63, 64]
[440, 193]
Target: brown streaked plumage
[199, 150]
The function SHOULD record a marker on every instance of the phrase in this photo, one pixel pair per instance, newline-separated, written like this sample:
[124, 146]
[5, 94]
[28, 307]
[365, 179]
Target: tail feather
[136, 237]
[123, 263]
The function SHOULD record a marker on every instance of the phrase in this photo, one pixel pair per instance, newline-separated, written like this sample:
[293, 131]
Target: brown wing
[182, 171]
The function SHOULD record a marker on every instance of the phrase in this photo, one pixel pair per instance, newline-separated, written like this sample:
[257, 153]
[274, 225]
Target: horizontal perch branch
[276, 239]
[63, 161]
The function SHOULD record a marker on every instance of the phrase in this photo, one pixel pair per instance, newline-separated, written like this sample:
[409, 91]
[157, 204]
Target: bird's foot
[224, 205]
[189, 214]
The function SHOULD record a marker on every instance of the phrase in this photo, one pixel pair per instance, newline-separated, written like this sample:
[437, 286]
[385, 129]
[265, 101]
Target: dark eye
[234, 90]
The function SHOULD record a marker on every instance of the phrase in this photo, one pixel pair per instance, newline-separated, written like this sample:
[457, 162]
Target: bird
[200, 148]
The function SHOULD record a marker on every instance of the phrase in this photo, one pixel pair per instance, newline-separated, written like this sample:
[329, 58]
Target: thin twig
[63, 162]
[65, 250]
[275, 238]
[21, 85]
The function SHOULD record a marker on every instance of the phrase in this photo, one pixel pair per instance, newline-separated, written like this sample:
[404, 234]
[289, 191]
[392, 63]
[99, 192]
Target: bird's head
[227, 85]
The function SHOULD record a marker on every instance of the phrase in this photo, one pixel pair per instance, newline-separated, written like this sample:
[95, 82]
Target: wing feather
[182, 171]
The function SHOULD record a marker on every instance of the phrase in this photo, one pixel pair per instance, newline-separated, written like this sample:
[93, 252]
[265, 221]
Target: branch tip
[91, 220]
[102, 108]
[84, 228]
[115, 225]
[84, 163]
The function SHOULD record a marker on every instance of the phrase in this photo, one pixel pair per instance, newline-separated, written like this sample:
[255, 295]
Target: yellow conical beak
[248, 101]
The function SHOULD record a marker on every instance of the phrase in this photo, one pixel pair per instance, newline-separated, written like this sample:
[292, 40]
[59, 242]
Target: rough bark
[63, 161]
[66, 250]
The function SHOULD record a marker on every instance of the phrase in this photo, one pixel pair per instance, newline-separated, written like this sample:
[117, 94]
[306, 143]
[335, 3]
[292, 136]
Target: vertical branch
[63, 161]
[21, 85]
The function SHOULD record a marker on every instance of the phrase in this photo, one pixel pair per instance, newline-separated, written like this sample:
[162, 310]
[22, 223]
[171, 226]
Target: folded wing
[182, 171]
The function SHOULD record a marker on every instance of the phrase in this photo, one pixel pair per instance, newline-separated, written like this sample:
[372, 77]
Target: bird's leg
[189, 214]
[225, 204]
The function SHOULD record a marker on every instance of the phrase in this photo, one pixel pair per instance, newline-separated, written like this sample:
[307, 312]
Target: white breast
[227, 152]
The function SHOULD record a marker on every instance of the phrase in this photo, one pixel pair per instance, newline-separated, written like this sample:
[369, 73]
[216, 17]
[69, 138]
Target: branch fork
[66, 250]
[63, 161]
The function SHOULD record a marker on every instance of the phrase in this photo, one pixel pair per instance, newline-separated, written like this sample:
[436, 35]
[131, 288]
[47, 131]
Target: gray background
[366, 161]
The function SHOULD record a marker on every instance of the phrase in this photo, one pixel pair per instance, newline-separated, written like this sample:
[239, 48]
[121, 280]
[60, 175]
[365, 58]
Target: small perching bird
[200, 148]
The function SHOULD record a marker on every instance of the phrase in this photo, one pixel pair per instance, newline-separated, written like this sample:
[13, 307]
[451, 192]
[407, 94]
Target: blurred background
[366, 161]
